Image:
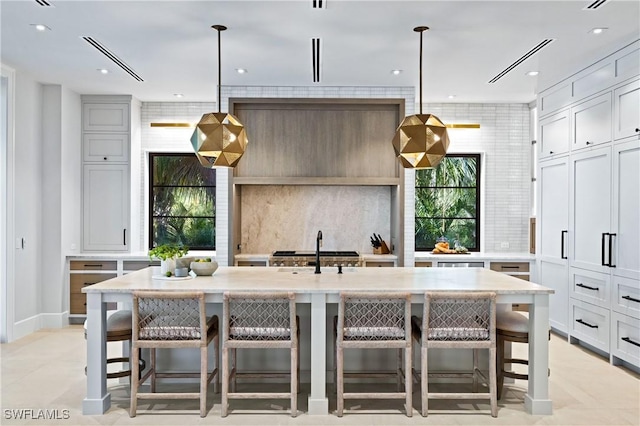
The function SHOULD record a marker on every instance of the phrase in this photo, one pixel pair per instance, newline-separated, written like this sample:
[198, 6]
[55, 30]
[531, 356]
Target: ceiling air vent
[318, 4]
[595, 5]
[315, 59]
[44, 3]
[523, 58]
[119, 62]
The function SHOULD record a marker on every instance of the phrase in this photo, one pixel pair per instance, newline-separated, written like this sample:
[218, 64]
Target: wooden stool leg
[224, 404]
[500, 365]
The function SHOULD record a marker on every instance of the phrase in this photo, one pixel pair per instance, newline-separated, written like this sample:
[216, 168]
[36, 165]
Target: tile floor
[45, 371]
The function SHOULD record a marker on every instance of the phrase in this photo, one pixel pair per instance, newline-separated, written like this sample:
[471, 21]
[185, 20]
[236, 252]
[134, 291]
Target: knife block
[383, 249]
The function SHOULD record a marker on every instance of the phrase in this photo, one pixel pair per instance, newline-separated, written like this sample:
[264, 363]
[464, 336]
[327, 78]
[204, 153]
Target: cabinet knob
[637, 130]
[550, 152]
[105, 158]
[589, 143]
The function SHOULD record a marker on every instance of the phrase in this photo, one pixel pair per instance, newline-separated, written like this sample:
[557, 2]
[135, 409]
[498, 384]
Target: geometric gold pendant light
[421, 140]
[219, 139]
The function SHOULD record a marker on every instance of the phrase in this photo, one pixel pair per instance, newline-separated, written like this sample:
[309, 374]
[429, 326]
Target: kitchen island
[319, 290]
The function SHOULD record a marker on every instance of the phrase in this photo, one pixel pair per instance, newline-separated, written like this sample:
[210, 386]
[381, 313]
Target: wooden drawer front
[591, 287]
[379, 263]
[626, 296]
[423, 264]
[78, 303]
[136, 265]
[625, 341]
[252, 263]
[590, 324]
[93, 265]
[510, 266]
[78, 281]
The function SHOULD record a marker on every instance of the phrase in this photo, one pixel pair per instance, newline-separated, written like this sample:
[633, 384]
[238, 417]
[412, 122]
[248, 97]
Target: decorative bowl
[204, 268]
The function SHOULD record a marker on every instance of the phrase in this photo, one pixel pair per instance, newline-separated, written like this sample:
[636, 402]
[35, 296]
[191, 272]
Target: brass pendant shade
[421, 140]
[219, 139]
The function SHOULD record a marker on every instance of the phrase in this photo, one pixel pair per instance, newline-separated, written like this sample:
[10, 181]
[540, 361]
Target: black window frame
[151, 216]
[478, 239]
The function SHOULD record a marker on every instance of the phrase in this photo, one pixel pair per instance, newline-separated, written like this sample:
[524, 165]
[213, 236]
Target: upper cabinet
[627, 110]
[554, 134]
[105, 117]
[591, 122]
[105, 147]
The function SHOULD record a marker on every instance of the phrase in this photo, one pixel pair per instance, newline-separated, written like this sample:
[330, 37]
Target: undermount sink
[311, 270]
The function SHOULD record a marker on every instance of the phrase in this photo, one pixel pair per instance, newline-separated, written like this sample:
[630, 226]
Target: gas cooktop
[323, 253]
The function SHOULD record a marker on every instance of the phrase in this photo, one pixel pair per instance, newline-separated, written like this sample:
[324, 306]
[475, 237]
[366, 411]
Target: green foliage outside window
[448, 203]
[182, 202]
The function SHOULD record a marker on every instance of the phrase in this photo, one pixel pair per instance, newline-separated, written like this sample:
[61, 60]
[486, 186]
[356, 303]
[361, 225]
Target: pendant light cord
[420, 30]
[219, 73]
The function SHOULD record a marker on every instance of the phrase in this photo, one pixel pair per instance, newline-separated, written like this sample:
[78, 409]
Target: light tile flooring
[45, 370]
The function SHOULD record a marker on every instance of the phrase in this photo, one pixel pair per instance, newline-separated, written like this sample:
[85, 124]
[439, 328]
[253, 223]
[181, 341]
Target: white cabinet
[106, 136]
[591, 122]
[555, 275]
[626, 110]
[626, 209]
[105, 209]
[554, 134]
[590, 210]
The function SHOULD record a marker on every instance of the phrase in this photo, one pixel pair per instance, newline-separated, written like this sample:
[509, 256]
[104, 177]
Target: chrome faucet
[318, 245]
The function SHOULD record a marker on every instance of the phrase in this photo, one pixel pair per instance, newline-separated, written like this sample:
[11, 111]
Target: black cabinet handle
[604, 234]
[587, 287]
[562, 253]
[611, 265]
[93, 265]
[628, 340]
[124, 237]
[503, 267]
[586, 323]
[631, 299]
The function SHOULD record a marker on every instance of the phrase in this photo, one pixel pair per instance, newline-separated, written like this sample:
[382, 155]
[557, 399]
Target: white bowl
[204, 268]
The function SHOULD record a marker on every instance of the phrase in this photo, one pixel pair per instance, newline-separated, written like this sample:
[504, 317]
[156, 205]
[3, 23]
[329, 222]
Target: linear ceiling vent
[44, 3]
[119, 62]
[523, 58]
[318, 4]
[595, 5]
[315, 59]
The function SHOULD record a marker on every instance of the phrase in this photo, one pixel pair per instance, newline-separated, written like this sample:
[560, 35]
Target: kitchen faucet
[318, 244]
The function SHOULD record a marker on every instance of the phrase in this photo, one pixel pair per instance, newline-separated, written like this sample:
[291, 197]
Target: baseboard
[58, 320]
[32, 324]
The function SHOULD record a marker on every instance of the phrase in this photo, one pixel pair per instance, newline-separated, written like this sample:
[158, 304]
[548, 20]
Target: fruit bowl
[204, 268]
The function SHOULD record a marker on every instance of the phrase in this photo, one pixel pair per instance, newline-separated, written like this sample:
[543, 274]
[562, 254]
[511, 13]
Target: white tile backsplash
[503, 141]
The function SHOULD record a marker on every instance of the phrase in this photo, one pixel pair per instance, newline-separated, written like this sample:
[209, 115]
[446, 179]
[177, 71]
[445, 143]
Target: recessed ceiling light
[598, 30]
[103, 71]
[41, 27]
[396, 72]
[241, 71]
[178, 95]
[532, 73]
[451, 96]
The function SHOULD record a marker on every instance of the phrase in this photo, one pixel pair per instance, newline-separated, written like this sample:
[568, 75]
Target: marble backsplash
[288, 217]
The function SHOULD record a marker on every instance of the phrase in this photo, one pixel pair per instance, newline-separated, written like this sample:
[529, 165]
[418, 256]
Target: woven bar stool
[374, 321]
[464, 320]
[511, 327]
[165, 319]
[253, 320]
[118, 330]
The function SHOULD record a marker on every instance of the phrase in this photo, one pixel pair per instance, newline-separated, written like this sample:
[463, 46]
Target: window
[448, 203]
[182, 207]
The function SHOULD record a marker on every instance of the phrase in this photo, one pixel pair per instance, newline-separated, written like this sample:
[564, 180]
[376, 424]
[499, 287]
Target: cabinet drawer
[625, 338]
[78, 304]
[626, 296]
[252, 263]
[78, 281]
[510, 266]
[590, 324]
[136, 265]
[423, 264]
[105, 147]
[591, 287]
[93, 265]
[375, 263]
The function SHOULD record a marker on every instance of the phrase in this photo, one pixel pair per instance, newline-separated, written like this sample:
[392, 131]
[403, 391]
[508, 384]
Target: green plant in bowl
[168, 251]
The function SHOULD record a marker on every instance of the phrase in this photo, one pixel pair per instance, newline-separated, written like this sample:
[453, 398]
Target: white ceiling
[171, 46]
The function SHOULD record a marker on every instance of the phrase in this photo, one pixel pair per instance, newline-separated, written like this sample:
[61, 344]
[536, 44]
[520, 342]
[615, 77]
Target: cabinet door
[105, 147]
[554, 134]
[591, 122]
[590, 216]
[105, 117]
[626, 209]
[105, 198]
[553, 209]
[626, 110]
[556, 276]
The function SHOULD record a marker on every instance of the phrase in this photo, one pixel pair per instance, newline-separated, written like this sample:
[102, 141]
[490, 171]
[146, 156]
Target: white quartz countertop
[131, 256]
[476, 257]
[265, 256]
[303, 280]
